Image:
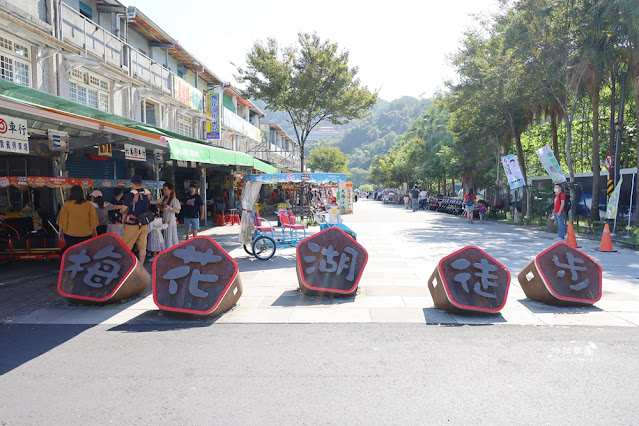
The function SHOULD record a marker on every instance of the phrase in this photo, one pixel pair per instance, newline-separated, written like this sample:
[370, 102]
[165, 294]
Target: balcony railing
[96, 41]
[238, 124]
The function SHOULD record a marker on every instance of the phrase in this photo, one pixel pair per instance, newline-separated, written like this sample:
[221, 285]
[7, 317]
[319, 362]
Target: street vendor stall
[25, 232]
[262, 240]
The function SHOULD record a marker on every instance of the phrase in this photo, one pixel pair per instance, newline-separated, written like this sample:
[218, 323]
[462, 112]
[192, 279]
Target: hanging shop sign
[13, 135]
[134, 152]
[213, 131]
[58, 141]
[105, 150]
[187, 94]
[182, 163]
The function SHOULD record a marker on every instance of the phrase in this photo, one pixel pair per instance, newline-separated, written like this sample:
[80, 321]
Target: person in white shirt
[423, 196]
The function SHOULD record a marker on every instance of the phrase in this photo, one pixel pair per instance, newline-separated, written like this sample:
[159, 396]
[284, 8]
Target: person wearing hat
[102, 209]
[136, 202]
[193, 210]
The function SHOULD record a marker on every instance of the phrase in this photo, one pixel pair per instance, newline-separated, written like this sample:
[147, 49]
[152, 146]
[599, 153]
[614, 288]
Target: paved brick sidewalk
[404, 249]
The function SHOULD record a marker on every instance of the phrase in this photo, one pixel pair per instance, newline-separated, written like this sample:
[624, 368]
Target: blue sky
[399, 46]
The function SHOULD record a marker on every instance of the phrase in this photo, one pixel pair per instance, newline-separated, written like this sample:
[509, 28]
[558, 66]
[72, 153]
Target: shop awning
[191, 151]
[299, 177]
[35, 103]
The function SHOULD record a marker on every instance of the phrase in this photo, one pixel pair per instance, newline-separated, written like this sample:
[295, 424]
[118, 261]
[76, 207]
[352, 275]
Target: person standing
[102, 209]
[117, 197]
[423, 196]
[169, 206]
[559, 213]
[469, 202]
[77, 219]
[193, 211]
[136, 203]
[414, 197]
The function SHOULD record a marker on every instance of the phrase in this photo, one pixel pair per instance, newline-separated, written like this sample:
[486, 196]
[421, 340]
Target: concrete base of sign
[322, 293]
[440, 298]
[535, 288]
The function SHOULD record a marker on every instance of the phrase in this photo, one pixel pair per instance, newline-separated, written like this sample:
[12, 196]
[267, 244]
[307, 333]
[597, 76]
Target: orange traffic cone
[606, 240]
[570, 238]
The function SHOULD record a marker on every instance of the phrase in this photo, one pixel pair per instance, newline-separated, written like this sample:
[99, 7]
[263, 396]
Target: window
[150, 115]
[185, 126]
[14, 65]
[89, 89]
[86, 11]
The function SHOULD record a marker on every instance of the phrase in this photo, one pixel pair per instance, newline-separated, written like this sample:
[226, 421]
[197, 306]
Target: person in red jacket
[469, 201]
[559, 213]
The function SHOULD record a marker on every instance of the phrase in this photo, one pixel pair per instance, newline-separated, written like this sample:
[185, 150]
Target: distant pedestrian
[136, 203]
[414, 196]
[169, 206]
[423, 197]
[469, 202]
[102, 209]
[193, 210]
[78, 220]
[559, 213]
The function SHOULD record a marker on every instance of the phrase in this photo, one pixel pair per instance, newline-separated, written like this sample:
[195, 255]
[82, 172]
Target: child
[406, 201]
[155, 242]
[482, 212]
[115, 225]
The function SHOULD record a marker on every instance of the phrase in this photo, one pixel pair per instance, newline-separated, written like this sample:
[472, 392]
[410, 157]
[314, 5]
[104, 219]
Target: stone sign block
[330, 263]
[470, 281]
[101, 270]
[196, 277]
[562, 275]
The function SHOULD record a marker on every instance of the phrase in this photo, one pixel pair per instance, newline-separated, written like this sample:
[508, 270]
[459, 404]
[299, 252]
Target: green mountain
[368, 137]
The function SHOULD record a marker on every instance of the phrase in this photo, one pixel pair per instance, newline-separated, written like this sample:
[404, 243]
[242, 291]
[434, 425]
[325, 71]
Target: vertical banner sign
[513, 171]
[213, 131]
[551, 165]
[134, 152]
[13, 135]
[613, 201]
[58, 141]
[105, 150]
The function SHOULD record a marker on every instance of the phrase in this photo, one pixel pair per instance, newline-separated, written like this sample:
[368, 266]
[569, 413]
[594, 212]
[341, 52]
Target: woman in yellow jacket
[77, 219]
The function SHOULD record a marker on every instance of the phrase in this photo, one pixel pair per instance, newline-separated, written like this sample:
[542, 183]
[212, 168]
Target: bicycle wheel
[248, 249]
[264, 247]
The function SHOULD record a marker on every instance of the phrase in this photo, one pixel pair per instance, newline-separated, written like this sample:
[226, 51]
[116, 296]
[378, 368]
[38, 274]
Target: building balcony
[236, 123]
[103, 45]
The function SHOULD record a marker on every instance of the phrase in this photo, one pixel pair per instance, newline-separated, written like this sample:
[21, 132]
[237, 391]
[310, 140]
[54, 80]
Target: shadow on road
[21, 343]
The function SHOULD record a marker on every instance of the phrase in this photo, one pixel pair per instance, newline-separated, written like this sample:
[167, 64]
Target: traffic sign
[608, 161]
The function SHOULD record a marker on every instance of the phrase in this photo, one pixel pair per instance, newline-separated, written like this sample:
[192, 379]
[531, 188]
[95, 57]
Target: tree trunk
[522, 165]
[611, 146]
[596, 163]
[555, 137]
[635, 82]
[571, 170]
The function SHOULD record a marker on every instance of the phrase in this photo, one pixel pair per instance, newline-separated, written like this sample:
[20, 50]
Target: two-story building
[121, 94]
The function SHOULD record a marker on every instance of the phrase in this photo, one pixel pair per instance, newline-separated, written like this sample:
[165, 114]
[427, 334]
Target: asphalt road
[317, 374]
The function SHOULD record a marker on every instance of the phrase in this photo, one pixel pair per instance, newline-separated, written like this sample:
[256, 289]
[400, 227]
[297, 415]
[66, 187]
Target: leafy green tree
[311, 83]
[328, 159]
